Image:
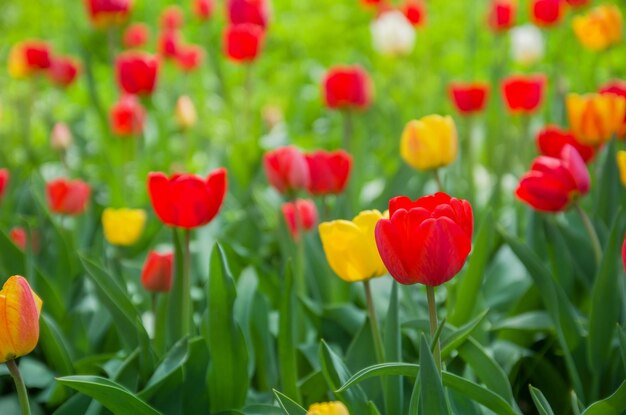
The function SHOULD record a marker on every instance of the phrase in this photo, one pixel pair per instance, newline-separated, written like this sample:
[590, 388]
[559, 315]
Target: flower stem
[438, 180]
[186, 303]
[347, 130]
[378, 341]
[153, 306]
[595, 241]
[432, 315]
[20, 386]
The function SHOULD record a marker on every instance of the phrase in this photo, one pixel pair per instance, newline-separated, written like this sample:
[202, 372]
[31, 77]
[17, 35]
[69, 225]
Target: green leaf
[613, 405]
[286, 336]
[111, 395]
[393, 391]
[607, 190]
[173, 361]
[373, 409]
[541, 403]
[54, 346]
[288, 405]
[456, 339]
[433, 398]
[530, 321]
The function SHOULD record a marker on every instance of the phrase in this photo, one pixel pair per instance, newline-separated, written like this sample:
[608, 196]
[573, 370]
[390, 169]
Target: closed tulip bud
[20, 308]
[137, 72]
[502, 15]
[426, 241]
[123, 227]
[67, 197]
[469, 98]
[156, 275]
[300, 216]
[551, 140]
[329, 171]
[621, 164]
[429, 143]
[527, 45]
[600, 28]
[4, 182]
[168, 44]
[186, 116]
[255, 12]
[286, 169]
[172, 18]
[553, 184]
[136, 36]
[328, 408]
[415, 12]
[189, 57]
[127, 117]
[347, 87]
[63, 70]
[203, 9]
[546, 13]
[523, 94]
[29, 58]
[594, 118]
[393, 34]
[243, 42]
[617, 88]
[186, 200]
[350, 247]
[61, 137]
[105, 13]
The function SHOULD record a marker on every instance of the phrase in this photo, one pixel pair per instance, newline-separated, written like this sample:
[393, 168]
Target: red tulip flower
[242, 42]
[552, 184]
[469, 98]
[67, 197]
[156, 275]
[168, 44]
[19, 237]
[255, 12]
[328, 171]
[617, 88]
[136, 36]
[347, 87]
[28, 58]
[286, 169]
[426, 241]
[552, 139]
[546, 13]
[127, 117]
[189, 57]
[300, 215]
[172, 18]
[578, 3]
[104, 13]
[137, 72]
[63, 70]
[501, 15]
[203, 9]
[415, 12]
[4, 182]
[523, 94]
[186, 200]
[624, 253]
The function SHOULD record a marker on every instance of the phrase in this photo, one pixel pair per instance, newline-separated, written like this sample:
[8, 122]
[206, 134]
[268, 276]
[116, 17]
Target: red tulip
[29, 57]
[189, 57]
[63, 70]
[19, 237]
[299, 216]
[426, 241]
[203, 9]
[552, 184]
[546, 13]
[618, 88]
[172, 18]
[347, 87]
[4, 182]
[469, 98]
[248, 12]
[156, 275]
[552, 139]
[242, 42]
[502, 15]
[137, 72]
[185, 200]
[67, 197]
[104, 13]
[415, 12]
[624, 253]
[578, 3]
[523, 94]
[286, 169]
[168, 44]
[328, 171]
[136, 36]
[127, 116]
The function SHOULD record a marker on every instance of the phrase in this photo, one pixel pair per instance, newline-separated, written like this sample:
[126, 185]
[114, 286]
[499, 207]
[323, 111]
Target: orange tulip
[594, 118]
[600, 28]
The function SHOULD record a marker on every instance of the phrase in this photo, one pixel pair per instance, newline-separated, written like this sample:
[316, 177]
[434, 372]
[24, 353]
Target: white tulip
[527, 45]
[393, 34]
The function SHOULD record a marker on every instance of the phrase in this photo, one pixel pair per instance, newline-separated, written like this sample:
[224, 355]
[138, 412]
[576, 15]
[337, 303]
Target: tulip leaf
[227, 376]
[288, 405]
[173, 361]
[613, 405]
[393, 352]
[460, 335]
[111, 395]
[286, 336]
[55, 346]
[607, 188]
[530, 321]
[433, 399]
[541, 403]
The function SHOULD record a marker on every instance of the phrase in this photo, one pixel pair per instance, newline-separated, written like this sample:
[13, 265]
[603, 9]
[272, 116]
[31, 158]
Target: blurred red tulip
[172, 18]
[552, 184]
[578, 3]
[546, 13]
[347, 87]
[286, 169]
[552, 139]
[502, 15]
[186, 200]
[136, 35]
[242, 42]
[469, 98]
[254, 12]
[523, 94]
[617, 87]
[300, 215]
[203, 9]
[4, 182]
[104, 13]
[156, 275]
[67, 197]
[415, 12]
[189, 57]
[373, 3]
[127, 116]
[137, 72]
[19, 237]
[624, 253]
[29, 57]
[329, 171]
[426, 241]
[168, 44]
[63, 70]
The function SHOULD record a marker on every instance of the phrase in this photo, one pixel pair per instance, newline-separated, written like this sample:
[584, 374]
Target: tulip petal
[159, 190]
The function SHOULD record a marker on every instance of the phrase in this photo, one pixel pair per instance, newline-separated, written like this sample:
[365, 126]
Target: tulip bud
[429, 143]
[189, 57]
[300, 216]
[168, 44]
[156, 275]
[254, 12]
[203, 9]
[469, 98]
[136, 35]
[527, 46]
[123, 227]
[393, 34]
[329, 171]
[328, 408]
[127, 117]
[546, 13]
[347, 87]
[63, 71]
[523, 94]
[19, 237]
[172, 18]
[624, 253]
[67, 197]
[137, 72]
[4, 182]
[61, 137]
[502, 15]
[185, 112]
[286, 169]
[242, 42]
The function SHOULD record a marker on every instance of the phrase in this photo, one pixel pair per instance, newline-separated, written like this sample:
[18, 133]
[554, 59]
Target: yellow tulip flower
[429, 143]
[621, 163]
[350, 246]
[123, 226]
[594, 118]
[328, 408]
[600, 28]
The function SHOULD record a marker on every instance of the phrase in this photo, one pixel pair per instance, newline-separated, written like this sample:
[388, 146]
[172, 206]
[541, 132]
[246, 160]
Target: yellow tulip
[20, 308]
[429, 143]
[186, 115]
[621, 163]
[123, 226]
[328, 408]
[350, 246]
[594, 118]
[600, 28]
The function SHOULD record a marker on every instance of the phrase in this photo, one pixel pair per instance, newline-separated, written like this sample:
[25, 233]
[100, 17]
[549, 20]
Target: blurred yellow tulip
[328, 408]
[123, 226]
[429, 143]
[600, 28]
[621, 163]
[350, 246]
[186, 115]
[594, 118]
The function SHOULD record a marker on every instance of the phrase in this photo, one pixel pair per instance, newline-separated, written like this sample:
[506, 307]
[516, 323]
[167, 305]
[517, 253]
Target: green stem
[22, 394]
[348, 129]
[438, 180]
[300, 280]
[186, 300]
[153, 307]
[595, 241]
[432, 315]
[378, 341]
